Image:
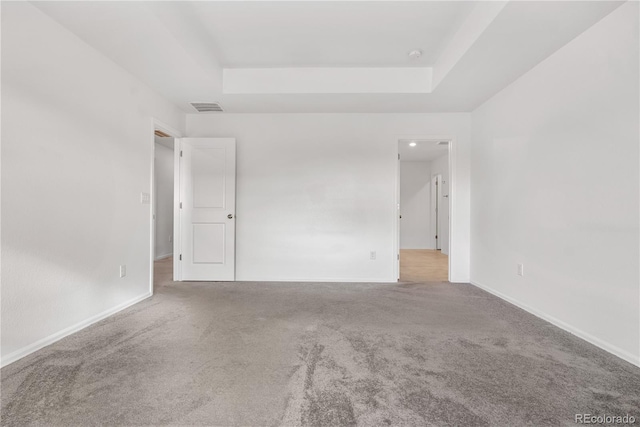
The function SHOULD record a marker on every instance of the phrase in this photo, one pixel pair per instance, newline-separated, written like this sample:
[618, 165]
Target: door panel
[208, 174]
[207, 213]
[208, 243]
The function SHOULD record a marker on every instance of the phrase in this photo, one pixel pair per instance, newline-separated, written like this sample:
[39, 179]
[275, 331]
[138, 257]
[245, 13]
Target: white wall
[415, 205]
[163, 172]
[440, 166]
[76, 154]
[555, 186]
[316, 192]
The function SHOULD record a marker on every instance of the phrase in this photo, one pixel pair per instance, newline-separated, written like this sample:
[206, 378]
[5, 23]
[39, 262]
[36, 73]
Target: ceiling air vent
[207, 107]
[443, 143]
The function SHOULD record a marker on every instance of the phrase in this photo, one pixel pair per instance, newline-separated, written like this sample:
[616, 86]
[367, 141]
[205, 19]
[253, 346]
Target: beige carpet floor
[305, 354]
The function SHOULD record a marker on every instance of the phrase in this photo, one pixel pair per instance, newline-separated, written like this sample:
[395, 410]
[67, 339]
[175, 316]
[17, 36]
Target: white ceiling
[425, 150]
[328, 34]
[473, 49]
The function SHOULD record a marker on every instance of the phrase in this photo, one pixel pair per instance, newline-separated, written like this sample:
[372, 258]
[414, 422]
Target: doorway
[423, 210]
[162, 204]
[163, 208]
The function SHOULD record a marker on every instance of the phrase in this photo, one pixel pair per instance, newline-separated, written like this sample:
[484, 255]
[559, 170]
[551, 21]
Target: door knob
[230, 216]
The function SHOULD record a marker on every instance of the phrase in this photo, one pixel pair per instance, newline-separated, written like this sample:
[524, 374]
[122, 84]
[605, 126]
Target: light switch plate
[145, 198]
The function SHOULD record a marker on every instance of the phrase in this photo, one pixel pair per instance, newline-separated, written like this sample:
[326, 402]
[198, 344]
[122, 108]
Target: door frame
[174, 133]
[451, 200]
[436, 194]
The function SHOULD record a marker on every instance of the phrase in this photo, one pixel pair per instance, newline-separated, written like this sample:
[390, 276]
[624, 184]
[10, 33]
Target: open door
[204, 232]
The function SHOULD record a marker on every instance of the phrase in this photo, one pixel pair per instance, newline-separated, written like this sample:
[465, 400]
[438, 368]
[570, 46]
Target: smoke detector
[207, 107]
[415, 54]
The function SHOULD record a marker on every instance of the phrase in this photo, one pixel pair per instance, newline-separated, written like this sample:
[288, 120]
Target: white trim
[25, 351]
[307, 280]
[453, 191]
[615, 350]
[158, 258]
[172, 132]
[177, 232]
[396, 212]
[152, 238]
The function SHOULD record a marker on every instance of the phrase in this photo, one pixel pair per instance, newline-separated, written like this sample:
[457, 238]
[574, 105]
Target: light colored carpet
[268, 354]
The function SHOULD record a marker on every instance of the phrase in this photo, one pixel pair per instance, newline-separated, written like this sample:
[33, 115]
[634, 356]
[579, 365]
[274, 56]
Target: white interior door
[205, 236]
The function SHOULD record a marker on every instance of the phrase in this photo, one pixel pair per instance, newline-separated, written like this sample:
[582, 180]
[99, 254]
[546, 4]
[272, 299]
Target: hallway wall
[163, 174]
[415, 206]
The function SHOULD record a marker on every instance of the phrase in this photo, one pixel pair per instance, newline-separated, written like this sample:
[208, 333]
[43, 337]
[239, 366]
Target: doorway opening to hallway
[162, 206]
[423, 210]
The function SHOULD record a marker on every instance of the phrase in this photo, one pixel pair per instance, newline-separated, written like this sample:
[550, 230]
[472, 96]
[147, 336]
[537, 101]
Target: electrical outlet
[372, 255]
[520, 270]
[123, 271]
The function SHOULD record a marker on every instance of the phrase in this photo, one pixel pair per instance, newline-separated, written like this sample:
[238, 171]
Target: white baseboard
[318, 279]
[158, 258]
[25, 351]
[615, 350]
[431, 248]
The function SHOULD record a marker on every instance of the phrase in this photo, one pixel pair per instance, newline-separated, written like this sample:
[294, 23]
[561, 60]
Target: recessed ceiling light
[415, 54]
[412, 144]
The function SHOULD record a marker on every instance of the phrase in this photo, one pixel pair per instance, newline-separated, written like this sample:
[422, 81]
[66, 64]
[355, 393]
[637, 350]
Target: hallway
[423, 265]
